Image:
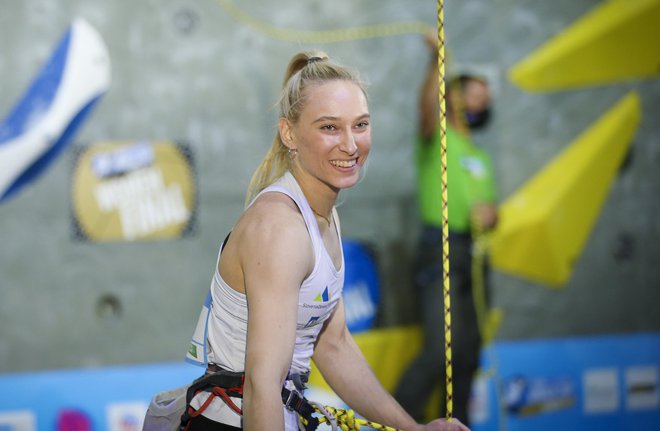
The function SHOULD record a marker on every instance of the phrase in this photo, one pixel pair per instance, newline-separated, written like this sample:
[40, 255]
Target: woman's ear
[286, 134]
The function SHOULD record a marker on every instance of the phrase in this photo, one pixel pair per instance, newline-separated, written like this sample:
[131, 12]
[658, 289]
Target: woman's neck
[320, 196]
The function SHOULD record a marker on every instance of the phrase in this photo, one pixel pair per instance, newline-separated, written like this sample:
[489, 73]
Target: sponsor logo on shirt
[312, 321]
[323, 297]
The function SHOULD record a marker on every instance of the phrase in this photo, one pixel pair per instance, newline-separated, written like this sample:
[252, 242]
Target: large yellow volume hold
[544, 225]
[617, 41]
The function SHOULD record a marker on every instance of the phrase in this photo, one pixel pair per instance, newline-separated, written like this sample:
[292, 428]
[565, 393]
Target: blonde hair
[304, 70]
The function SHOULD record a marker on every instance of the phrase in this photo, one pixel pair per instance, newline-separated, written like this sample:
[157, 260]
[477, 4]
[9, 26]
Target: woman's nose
[348, 144]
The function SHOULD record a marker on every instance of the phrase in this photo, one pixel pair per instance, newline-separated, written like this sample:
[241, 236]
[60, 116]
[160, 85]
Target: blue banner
[590, 383]
[568, 384]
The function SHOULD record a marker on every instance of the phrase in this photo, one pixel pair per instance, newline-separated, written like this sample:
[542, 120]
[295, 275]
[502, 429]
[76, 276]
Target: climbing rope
[445, 214]
[343, 419]
[325, 36]
[479, 251]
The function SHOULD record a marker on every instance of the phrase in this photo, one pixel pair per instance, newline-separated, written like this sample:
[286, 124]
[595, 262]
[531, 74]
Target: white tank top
[227, 322]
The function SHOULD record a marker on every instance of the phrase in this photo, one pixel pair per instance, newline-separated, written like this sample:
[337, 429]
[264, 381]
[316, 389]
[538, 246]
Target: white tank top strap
[288, 185]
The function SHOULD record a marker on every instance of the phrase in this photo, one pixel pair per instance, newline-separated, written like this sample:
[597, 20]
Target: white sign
[601, 390]
[642, 388]
[20, 420]
[126, 416]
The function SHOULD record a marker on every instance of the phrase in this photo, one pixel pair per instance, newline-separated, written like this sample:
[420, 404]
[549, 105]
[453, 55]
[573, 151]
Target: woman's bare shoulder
[273, 225]
[271, 211]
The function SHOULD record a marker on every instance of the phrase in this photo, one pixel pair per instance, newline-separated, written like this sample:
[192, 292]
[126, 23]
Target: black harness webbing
[298, 403]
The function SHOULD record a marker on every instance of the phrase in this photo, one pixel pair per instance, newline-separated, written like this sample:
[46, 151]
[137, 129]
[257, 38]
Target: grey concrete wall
[188, 71]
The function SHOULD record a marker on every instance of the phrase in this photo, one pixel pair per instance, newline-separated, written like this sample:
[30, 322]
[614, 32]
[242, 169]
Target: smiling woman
[334, 97]
[276, 294]
[331, 139]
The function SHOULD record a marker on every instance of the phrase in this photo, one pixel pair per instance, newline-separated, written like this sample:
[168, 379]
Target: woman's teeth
[344, 163]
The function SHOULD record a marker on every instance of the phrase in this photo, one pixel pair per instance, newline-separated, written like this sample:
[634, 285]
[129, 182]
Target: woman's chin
[347, 183]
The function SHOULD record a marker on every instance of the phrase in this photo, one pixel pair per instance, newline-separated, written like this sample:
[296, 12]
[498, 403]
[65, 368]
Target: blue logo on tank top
[323, 297]
[312, 321]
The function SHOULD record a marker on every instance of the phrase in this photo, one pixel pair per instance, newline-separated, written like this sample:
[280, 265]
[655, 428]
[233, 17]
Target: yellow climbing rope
[345, 420]
[445, 214]
[479, 252]
[325, 36]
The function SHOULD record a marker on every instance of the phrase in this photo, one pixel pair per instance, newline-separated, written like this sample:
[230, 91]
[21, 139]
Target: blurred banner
[361, 286]
[133, 190]
[111, 398]
[590, 383]
[569, 384]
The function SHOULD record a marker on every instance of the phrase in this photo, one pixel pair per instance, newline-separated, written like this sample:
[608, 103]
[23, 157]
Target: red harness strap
[223, 393]
[222, 384]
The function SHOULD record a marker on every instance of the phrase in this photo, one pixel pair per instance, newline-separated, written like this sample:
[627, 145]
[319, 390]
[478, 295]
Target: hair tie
[314, 60]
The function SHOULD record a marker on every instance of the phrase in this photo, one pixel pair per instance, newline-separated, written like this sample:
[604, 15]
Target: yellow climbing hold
[618, 40]
[544, 225]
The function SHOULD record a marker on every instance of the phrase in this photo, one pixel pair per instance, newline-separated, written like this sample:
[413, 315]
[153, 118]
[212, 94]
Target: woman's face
[332, 135]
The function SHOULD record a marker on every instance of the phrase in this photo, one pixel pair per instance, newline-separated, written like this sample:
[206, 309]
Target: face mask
[477, 120]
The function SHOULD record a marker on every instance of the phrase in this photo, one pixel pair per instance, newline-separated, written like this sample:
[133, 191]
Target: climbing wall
[204, 77]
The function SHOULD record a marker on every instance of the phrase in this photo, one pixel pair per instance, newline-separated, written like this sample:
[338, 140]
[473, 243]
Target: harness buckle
[294, 401]
[289, 400]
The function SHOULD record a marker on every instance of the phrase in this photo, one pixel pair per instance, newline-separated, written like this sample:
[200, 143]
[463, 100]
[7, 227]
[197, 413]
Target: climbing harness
[221, 383]
[225, 385]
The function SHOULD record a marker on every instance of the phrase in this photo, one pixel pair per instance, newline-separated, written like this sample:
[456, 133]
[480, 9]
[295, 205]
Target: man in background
[472, 211]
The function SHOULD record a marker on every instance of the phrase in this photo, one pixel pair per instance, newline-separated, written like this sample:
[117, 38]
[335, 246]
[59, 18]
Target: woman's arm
[347, 372]
[275, 255]
[345, 369]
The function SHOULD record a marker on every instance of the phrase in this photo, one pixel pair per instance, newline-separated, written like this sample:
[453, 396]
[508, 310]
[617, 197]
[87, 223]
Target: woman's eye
[329, 127]
[362, 124]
